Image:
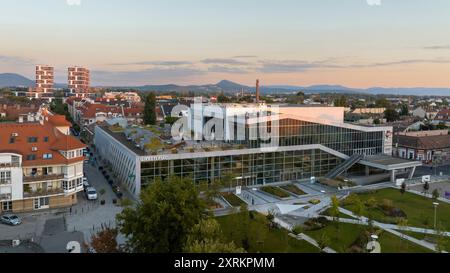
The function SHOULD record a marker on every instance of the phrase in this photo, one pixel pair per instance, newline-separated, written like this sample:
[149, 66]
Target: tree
[435, 194]
[105, 241]
[426, 187]
[402, 223]
[163, 219]
[150, 109]
[334, 209]
[324, 241]
[341, 101]
[391, 115]
[382, 103]
[222, 98]
[403, 188]
[404, 110]
[360, 208]
[206, 237]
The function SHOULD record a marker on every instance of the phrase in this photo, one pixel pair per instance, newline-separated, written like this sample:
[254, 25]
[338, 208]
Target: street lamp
[435, 204]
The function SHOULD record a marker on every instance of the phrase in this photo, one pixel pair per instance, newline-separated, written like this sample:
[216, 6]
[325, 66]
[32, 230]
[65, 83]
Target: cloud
[73, 2]
[227, 69]
[157, 63]
[245, 56]
[437, 47]
[401, 62]
[224, 61]
[373, 2]
[291, 66]
[16, 60]
[146, 76]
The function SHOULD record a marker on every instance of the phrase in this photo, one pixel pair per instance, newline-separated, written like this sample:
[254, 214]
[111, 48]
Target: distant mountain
[15, 80]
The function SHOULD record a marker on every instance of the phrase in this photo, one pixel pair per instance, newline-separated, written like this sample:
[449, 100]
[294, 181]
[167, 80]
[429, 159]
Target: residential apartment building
[87, 111]
[41, 165]
[126, 96]
[79, 80]
[44, 79]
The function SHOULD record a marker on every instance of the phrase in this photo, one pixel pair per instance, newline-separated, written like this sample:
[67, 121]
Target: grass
[340, 215]
[233, 200]
[431, 238]
[342, 238]
[419, 209]
[269, 241]
[275, 191]
[293, 189]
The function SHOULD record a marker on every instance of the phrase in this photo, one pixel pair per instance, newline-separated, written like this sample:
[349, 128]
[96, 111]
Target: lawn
[340, 215]
[419, 210]
[275, 191]
[233, 200]
[342, 239]
[431, 238]
[265, 240]
[293, 189]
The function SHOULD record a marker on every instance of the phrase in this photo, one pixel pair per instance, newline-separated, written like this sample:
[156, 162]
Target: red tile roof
[49, 141]
[59, 120]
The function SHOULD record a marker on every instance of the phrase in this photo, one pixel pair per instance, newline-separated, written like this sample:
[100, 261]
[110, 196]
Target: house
[423, 145]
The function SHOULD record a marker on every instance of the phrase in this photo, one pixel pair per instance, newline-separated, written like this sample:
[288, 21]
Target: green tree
[391, 115]
[334, 210]
[403, 188]
[382, 103]
[150, 109]
[341, 101]
[426, 187]
[163, 219]
[435, 194]
[206, 237]
[222, 98]
[360, 208]
[404, 110]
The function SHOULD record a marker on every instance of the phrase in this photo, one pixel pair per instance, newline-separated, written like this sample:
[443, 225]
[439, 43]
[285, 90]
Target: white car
[91, 193]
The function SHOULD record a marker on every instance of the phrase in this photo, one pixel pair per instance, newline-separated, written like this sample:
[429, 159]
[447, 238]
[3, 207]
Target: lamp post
[435, 204]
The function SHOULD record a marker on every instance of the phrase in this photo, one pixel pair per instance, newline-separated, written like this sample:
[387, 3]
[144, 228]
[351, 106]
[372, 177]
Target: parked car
[11, 219]
[100, 168]
[110, 182]
[91, 193]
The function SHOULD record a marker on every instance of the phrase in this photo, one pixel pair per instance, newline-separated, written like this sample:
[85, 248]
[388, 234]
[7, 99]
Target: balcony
[41, 192]
[5, 197]
[37, 177]
[4, 165]
[5, 182]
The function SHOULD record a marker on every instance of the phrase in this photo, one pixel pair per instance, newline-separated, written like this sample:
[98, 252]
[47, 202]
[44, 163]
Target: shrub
[297, 229]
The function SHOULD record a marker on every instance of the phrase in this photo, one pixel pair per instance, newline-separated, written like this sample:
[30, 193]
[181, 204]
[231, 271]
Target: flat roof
[120, 136]
[387, 162]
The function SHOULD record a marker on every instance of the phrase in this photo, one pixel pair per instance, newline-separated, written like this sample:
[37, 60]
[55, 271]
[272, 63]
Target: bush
[297, 229]
[275, 191]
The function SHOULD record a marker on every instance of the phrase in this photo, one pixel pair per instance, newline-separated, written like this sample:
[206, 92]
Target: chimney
[257, 91]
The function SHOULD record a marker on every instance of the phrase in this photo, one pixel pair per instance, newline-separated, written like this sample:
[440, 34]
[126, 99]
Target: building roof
[443, 115]
[423, 142]
[59, 120]
[49, 140]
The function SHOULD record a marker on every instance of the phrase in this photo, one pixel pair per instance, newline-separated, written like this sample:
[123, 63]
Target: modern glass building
[304, 142]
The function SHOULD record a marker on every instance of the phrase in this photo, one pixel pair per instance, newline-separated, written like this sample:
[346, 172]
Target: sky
[356, 43]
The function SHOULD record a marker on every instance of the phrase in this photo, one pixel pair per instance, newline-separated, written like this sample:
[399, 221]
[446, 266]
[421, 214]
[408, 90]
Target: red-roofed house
[41, 165]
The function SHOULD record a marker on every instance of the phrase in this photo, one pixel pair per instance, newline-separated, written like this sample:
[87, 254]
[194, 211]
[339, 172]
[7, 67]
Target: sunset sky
[400, 43]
